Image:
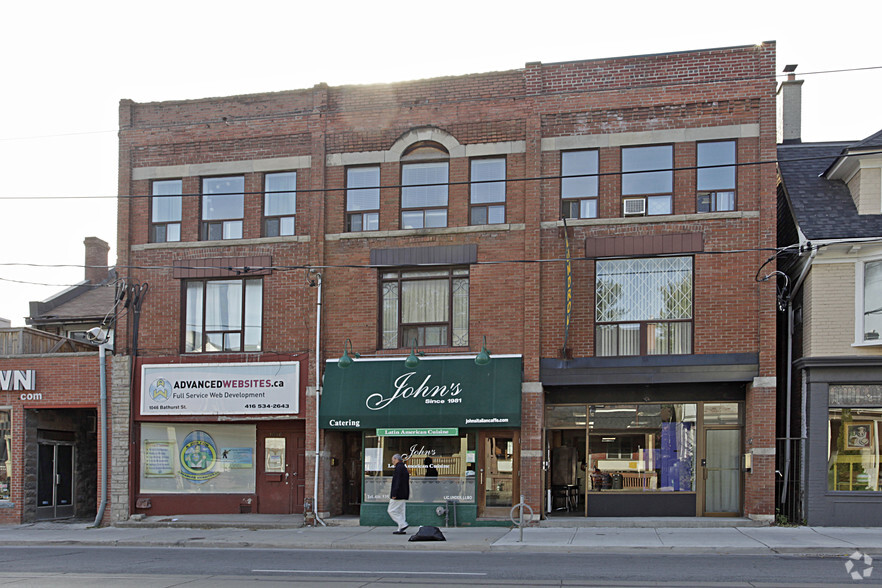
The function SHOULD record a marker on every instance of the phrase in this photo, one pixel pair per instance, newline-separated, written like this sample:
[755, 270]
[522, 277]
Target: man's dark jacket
[400, 482]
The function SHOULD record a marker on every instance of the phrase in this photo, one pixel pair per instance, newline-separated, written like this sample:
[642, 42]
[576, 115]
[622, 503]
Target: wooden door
[498, 473]
[280, 467]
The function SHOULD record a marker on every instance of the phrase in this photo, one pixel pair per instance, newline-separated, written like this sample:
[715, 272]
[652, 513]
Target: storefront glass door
[498, 473]
[55, 481]
[722, 490]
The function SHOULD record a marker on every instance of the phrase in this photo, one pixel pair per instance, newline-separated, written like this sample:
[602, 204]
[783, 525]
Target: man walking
[400, 493]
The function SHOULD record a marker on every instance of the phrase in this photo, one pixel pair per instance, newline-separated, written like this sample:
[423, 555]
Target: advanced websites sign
[220, 388]
[438, 392]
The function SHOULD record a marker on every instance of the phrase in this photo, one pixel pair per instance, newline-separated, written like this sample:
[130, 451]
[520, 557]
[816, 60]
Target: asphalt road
[218, 568]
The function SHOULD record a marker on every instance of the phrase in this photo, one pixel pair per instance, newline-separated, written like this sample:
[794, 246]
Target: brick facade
[526, 115]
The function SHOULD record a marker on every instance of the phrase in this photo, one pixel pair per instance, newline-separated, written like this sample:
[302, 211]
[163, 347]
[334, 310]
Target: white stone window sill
[876, 343]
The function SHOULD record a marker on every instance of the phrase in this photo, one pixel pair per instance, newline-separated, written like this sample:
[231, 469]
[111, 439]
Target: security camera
[96, 334]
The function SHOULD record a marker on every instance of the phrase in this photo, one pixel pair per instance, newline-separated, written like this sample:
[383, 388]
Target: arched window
[424, 180]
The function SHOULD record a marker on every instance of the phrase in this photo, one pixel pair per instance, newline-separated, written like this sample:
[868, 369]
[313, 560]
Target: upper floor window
[431, 306]
[279, 204]
[363, 198]
[488, 194]
[578, 194]
[424, 195]
[647, 176]
[716, 185]
[872, 307]
[223, 315]
[644, 306]
[165, 214]
[223, 207]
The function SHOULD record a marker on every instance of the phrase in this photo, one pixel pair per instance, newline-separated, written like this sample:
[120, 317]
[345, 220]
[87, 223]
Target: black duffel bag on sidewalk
[428, 534]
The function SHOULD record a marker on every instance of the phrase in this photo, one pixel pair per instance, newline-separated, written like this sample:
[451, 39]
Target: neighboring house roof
[874, 140]
[824, 209]
[84, 302]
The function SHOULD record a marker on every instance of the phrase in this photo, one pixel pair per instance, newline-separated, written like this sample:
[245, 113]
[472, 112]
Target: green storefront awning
[439, 392]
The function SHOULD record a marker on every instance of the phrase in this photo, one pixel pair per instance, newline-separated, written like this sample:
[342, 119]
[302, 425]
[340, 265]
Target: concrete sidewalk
[745, 540]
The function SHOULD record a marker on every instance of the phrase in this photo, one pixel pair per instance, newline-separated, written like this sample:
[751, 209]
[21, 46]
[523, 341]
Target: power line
[460, 183]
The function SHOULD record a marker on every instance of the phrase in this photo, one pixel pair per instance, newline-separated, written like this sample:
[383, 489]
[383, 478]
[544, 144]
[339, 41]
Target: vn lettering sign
[438, 393]
[18, 380]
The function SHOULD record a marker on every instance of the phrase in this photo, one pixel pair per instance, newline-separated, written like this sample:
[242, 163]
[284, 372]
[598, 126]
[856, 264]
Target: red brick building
[52, 444]
[429, 215]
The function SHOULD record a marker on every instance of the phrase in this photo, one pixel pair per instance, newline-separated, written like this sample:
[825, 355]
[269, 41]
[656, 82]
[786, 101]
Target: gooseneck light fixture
[483, 357]
[345, 361]
[412, 360]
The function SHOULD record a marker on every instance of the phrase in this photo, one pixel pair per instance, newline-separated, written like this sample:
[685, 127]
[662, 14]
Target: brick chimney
[96, 259]
[790, 107]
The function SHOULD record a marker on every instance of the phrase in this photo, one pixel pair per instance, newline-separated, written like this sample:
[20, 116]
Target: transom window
[578, 194]
[165, 214]
[279, 204]
[644, 306]
[363, 198]
[716, 185]
[431, 306]
[488, 196]
[223, 315]
[647, 174]
[223, 207]
[424, 195]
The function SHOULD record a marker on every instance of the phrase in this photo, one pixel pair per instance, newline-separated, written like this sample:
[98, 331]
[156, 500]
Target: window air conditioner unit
[634, 206]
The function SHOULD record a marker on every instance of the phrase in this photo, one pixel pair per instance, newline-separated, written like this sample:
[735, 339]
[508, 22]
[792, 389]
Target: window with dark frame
[578, 194]
[363, 199]
[643, 306]
[165, 213]
[279, 204]
[647, 175]
[424, 194]
[431, 306]
[716, 185]
[487, 191]
[223, 315]
[223, 208]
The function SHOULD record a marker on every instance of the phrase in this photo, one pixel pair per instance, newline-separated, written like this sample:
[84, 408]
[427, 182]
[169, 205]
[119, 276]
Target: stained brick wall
[517, 305]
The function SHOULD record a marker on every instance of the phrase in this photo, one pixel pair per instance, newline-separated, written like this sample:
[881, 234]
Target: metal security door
[55, 481]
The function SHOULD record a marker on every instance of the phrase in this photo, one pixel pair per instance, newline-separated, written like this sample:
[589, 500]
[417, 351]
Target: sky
[65, 66]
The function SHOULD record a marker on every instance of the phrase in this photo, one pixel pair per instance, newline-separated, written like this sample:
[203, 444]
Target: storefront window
[5, 454]
[197, 458]
[441, 468]
[642, 447]
[569, 417]
[853, 451]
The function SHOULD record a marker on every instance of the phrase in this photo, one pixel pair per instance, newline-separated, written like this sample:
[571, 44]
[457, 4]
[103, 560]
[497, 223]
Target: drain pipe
[318, 386]
[813, 251]
[102, 412]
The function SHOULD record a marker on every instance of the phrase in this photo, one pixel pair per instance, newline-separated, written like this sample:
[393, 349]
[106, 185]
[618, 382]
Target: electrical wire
[459, 183]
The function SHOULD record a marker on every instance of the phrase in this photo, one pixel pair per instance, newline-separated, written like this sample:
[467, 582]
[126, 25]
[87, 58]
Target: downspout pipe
[813, 251]
[318, 391]
[102, 416]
